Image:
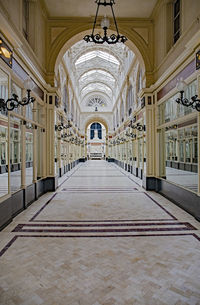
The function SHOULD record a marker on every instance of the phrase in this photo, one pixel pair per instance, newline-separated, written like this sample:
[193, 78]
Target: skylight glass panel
[96, 86]
[108, 57]
[102, 73]
[86, 57]
[92, 54]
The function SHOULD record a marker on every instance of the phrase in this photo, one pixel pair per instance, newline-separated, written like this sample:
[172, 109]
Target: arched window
[140, 81]
[25, 19]
[93, 127]
[122, 111]
[117, 118]
[130, 100]
[72, 109]
[114, 122]
[65, 99]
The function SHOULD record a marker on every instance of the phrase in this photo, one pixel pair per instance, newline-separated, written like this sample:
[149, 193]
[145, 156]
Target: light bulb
[181, 85]
[69, 117]
[105, 23]
[28, 84]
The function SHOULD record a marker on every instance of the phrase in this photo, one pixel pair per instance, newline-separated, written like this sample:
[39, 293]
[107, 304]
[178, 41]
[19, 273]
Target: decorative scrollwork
[194, 103]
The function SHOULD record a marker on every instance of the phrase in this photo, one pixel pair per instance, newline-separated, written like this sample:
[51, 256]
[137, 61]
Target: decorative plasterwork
[144, 33]
[96, 101]
[56, 32]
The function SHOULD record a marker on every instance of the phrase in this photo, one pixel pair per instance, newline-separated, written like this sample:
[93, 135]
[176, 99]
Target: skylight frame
[97, 53]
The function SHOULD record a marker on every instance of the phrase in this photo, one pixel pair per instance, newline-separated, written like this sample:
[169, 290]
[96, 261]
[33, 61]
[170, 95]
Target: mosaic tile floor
[100, 239]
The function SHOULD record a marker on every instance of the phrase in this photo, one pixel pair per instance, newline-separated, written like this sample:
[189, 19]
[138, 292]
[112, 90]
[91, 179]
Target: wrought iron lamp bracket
[194, 103]
[14, 102]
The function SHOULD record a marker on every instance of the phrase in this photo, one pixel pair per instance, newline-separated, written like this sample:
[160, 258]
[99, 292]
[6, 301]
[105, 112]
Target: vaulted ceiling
[98, 72]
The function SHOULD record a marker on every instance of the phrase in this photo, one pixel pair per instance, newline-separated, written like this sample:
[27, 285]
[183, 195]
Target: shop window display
[170, 110]
[182, 156]
[15, 154]
[29, 156]
[3, 136]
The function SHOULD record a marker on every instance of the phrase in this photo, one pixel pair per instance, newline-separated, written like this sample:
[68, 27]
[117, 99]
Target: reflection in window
[181, 147]
[170, 110]
[18, 91]
[29, 113]
[3, 88]
[3, 145]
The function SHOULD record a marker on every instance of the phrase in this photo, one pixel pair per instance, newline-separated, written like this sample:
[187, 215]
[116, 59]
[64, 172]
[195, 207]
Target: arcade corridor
[100, 239]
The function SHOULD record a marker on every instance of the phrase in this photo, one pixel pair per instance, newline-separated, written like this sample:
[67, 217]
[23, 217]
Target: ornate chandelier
[105, 23]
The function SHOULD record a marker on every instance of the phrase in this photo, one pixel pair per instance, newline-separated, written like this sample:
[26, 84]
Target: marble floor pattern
[100, 239]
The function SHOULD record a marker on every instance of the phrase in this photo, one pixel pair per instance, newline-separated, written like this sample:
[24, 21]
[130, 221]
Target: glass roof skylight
[95, 86]
[102, 72]
[97, 53]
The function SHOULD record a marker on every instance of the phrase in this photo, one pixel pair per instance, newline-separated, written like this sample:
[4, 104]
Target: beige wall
[166, 53]
[11, 27]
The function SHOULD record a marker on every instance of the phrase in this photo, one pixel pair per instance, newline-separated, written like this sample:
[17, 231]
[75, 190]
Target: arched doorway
[96, 141]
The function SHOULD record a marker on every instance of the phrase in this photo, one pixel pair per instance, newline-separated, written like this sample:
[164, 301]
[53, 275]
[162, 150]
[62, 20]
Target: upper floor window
[139, 84]
[130, 99]
[176, 20]
[65, 99]
[25, 18]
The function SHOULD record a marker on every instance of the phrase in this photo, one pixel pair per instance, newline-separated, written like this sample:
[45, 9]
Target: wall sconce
[138, 126]
[13, 102]
[6, 53]
[132, 121]
[194, 103]
[69, 118]
[130, 134]
[62, 126]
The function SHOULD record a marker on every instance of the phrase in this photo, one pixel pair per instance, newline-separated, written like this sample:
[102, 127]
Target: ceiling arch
[97, 86]
[71, 35]
[96, 118]
[99, 70]
[100, 52]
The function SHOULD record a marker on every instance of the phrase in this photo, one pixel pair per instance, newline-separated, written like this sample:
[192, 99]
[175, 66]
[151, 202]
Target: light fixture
[62, 126]
[105, 23]
[138, 126]
[5, 53]
[194, 103]
[13, 102]
[130, 134]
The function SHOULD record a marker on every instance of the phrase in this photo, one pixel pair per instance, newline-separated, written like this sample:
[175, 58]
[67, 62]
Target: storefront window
[3, 136]
[18, 91]
[181, 155]
[170, 110]
[140, 152]
[29, 112]
[29, 155]
[15, 154]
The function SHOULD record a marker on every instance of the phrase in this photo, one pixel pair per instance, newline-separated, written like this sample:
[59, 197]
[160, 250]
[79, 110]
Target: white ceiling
[87, 8]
